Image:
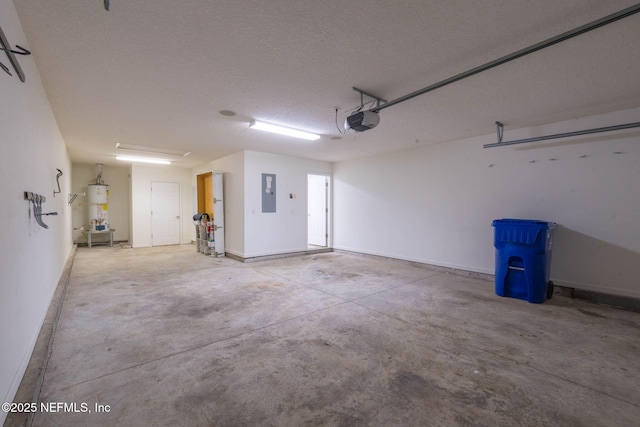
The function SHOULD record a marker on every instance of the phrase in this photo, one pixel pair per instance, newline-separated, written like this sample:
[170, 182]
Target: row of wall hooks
[555, 159]
[36, 201]
[11, 54]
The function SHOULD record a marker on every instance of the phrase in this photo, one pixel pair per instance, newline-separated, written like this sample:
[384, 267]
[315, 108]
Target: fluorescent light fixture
[283, 131]
[153, 150]
[143, 160]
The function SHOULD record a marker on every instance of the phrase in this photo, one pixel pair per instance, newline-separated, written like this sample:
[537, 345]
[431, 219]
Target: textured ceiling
[157, 72]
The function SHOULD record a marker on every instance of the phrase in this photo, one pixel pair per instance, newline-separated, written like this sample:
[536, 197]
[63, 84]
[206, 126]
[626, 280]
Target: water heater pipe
[99, 177]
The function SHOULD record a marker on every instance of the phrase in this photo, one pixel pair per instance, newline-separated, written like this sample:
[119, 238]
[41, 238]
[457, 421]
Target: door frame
[201, 191]
[216, 202]
[328, 212]
[179, 210]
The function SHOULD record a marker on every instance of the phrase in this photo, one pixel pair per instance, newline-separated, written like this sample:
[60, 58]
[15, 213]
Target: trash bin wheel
[549, 290]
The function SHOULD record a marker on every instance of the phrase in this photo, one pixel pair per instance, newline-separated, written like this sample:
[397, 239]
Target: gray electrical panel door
[268, 192]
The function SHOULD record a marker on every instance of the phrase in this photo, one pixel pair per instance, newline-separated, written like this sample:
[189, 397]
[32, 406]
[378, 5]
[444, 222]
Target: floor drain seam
[343, 298]
[199, 346]
[496, 355]
[306, 286]
[535, 368]
[353, 300]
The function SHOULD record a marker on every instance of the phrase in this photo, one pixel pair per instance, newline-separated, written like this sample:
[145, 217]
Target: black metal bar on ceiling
[564, 135]
[520, 53]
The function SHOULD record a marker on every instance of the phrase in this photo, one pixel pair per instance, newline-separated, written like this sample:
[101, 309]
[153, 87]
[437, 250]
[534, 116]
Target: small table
[110, 231]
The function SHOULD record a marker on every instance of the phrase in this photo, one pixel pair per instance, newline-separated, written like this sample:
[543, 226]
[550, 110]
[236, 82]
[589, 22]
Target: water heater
[98, 198]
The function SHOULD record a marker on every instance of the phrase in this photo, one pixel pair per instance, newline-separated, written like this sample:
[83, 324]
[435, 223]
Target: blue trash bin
[523, 258]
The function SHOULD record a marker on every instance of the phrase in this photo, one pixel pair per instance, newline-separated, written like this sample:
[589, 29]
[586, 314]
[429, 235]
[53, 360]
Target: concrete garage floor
[168, 337]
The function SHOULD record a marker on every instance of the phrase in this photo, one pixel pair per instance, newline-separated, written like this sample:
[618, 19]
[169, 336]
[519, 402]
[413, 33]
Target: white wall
[232, 167]
[117, 178]
[248, 231]
[33, 258]
[141, 178]
[286, 229]
[435, 204]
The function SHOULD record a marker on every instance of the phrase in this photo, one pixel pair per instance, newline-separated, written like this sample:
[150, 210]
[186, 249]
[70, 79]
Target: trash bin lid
[519, 230]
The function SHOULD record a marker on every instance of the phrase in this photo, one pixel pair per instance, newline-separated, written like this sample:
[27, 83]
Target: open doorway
[318, 210]
[205, 193]
[210, 198]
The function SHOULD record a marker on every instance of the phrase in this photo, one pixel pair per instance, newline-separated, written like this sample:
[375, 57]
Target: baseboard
[33, 377]
[419, 261]
[425, 265]
[102, 243]
[617, 301]
[596, 297]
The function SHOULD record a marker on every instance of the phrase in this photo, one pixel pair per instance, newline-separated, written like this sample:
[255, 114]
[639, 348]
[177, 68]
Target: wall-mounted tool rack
[36, 201]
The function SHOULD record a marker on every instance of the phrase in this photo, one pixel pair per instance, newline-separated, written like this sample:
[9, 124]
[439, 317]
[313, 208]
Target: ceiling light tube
[143, 160]
[267, 127]
[152, 150]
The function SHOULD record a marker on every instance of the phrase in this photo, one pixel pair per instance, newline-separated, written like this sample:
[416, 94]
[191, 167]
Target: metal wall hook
[6, 70]
[58, 181]
[22, 50]
[499, 131]
[11, 54]
[73, 197]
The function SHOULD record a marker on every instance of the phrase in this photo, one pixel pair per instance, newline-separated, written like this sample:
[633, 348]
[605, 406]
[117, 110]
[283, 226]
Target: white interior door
[218, 213]
[318, 213]
[165, 213]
